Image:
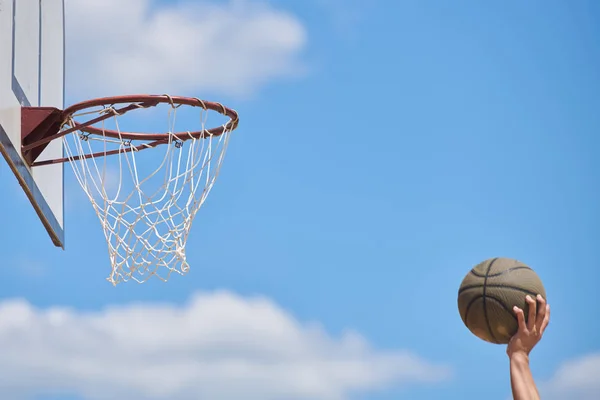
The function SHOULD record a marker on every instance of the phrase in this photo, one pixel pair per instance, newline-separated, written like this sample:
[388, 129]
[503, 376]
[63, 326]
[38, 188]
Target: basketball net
[145, 201]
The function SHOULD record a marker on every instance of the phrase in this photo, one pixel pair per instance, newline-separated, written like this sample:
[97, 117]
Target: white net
[146, 200]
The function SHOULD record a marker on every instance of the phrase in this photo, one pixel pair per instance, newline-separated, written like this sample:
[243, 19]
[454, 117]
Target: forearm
[521, 379]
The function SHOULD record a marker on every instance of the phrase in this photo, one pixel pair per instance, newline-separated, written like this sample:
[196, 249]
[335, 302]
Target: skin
[521, 344]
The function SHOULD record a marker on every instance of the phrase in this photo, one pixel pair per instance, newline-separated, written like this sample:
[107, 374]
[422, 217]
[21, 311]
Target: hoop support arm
[100, 154]
[46, 133]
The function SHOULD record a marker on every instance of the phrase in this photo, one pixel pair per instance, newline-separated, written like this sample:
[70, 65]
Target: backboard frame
[49, 26]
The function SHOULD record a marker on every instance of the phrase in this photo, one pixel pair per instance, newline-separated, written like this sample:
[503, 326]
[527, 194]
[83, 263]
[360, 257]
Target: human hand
[530, 332]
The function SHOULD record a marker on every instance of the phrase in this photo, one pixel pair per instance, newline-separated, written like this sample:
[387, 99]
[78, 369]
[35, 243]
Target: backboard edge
[30, 188]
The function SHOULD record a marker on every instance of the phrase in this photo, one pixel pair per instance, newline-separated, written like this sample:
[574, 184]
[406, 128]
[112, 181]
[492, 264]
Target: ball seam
[477, 274]
[485, 311]
[497, 285]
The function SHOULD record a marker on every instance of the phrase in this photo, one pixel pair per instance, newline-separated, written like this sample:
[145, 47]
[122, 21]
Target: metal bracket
[38, 123]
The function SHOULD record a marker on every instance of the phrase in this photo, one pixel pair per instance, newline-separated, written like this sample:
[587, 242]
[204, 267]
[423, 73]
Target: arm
[521, 380]
[519, 347]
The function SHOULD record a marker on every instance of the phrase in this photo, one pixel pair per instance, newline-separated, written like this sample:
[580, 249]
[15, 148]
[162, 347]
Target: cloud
[578, 379]
[218, 346]
[179, 47]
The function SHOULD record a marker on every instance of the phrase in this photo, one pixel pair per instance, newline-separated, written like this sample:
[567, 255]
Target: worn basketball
[488, 294]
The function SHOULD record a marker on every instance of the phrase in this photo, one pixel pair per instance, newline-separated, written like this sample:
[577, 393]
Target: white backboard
[32, 74]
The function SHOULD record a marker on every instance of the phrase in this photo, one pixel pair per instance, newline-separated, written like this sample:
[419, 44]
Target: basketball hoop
[146, 201]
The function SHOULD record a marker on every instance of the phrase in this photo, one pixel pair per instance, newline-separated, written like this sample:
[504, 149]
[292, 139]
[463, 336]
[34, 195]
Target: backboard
[32, 74]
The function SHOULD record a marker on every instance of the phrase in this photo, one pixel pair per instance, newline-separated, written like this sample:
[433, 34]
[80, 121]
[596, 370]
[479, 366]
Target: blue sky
[384, 149]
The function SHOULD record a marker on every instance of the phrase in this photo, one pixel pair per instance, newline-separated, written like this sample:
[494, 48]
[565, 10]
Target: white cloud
[179, 47]
[578, 379]
[218, 346]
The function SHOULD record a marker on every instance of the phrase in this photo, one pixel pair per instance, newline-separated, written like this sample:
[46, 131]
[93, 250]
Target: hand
[530, 332]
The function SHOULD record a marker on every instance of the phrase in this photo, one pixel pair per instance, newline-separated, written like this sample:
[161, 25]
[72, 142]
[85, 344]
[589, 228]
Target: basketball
[488, 294]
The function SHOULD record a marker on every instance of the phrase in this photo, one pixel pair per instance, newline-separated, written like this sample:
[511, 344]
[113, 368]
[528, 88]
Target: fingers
[520, 318]
[546, 319]
[541, 311]
[532, 312]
